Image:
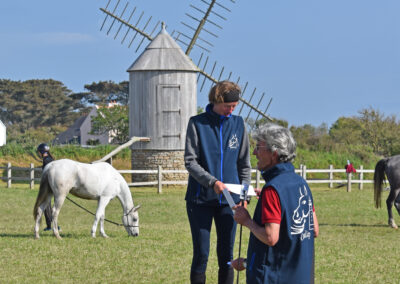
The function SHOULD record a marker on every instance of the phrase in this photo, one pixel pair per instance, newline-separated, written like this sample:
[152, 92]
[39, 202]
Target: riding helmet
[43, 148]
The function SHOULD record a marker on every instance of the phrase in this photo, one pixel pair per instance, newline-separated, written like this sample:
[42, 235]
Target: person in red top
[284, 223]
[349, 168]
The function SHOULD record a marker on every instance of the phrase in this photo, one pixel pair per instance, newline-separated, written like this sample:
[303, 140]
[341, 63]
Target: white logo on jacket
[233, 142]
[303, 211]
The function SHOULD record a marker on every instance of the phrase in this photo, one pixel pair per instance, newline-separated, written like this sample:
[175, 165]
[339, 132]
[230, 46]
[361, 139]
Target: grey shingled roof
[163, 53]
[68, 135]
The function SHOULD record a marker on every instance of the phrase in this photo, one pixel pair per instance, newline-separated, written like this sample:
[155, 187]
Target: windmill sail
[135, 30]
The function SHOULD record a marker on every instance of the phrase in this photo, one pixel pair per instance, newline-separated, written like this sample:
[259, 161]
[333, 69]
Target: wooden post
[159, 179]
[258, 174]
[32, 175]
[360, 185]
[349, 182]
[331, 176]
[8, 175]
[304, 173]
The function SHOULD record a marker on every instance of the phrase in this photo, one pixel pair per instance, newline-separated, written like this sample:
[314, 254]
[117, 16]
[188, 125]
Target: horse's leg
[397, 200]
[38, 220]
[100, 213]
[389, 203]
[58, 202]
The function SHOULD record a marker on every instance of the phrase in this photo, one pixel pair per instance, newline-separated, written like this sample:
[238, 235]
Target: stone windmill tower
[162, 98]
[164, 82]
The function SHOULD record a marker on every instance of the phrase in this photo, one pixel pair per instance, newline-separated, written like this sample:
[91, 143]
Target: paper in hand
[236, 188]
[229, 198]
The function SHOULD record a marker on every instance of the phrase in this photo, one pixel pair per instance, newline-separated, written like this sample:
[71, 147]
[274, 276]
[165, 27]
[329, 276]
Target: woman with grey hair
[284, 224]
[278, 139]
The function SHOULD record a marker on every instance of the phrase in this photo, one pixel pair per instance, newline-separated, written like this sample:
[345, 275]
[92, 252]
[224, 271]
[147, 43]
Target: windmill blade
[203, 20]
[132, 29]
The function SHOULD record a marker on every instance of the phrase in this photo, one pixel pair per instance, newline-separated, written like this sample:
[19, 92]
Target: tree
[310, 137]
[113, 120]
[34, 103]
[346, 130]
[380, 132]
[106, 91]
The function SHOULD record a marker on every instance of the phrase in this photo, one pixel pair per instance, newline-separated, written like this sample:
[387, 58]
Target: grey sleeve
[243, 163]
[192, 156]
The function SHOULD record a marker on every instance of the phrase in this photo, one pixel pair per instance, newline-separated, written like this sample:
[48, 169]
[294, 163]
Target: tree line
[37, 110]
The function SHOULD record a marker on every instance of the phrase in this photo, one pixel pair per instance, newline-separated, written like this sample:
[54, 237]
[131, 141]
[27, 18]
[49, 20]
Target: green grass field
[355, 243]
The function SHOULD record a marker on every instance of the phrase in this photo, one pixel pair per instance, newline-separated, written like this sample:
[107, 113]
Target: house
[79, 132]
[3, 134]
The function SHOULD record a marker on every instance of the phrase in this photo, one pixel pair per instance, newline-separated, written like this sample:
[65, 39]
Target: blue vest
[291, 259]
[219, 142]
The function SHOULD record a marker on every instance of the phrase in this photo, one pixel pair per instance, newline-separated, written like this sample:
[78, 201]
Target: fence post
[32, 175]
[159, 179]
[8, 175]
[331, 176]
[304, 172]
[349, 182]
[258, 174]
[360, 185]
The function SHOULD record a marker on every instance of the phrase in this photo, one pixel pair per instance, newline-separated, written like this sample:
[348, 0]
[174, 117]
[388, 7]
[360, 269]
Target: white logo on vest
[303, 211]
[233, 142]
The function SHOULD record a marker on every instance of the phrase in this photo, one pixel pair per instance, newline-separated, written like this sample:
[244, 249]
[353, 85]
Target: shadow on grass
[32, 236]
[354, 225]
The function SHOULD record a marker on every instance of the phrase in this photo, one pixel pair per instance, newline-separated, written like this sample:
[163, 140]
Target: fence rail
[159, 182]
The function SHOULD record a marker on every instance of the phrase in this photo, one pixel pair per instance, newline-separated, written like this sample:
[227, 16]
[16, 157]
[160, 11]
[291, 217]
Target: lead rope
[109, 221]
[244, 194]
[240, 246]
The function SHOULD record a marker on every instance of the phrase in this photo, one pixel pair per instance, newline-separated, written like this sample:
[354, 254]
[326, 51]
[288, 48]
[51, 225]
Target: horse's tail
[379, 176]
[44, 190]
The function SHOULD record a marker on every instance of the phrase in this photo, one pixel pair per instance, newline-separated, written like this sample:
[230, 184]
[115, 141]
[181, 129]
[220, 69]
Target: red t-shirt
[271, 206]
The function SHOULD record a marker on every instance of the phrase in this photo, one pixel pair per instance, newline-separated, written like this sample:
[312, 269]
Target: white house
[3, 134]
[79, 132]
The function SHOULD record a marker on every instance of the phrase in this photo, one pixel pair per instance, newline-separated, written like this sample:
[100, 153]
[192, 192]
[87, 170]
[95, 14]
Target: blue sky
[317, 59]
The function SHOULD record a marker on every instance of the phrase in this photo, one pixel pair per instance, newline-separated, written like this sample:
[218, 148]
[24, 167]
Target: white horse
[99, 181]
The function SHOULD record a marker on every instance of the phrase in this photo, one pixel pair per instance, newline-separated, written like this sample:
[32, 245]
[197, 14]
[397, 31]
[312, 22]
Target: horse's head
[131, 221]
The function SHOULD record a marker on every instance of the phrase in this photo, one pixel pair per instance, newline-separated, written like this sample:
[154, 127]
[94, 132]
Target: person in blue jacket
[284, 224]
[216, 152]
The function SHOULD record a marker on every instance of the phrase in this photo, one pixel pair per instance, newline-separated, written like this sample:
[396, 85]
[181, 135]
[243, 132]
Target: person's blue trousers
[200, 219]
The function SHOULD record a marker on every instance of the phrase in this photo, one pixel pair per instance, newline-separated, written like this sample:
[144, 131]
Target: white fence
[159, 182]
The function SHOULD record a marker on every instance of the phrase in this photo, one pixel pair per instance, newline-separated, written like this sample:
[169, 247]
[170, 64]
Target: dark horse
[391, 167]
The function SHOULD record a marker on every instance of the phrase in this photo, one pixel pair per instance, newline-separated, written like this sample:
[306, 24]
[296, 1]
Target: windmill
[164, 81]
[195, 36]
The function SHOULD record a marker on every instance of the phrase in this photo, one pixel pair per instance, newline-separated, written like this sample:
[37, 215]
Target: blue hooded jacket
[217, 148]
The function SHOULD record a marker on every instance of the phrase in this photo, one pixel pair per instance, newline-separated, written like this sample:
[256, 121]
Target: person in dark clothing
[216, 152]
[43, 151]
[284, 224]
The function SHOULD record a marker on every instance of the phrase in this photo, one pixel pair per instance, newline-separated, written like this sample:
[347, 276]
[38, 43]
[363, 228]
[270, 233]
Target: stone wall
[151, 159]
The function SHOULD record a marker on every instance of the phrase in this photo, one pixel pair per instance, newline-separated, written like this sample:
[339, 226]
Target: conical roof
[163, 53]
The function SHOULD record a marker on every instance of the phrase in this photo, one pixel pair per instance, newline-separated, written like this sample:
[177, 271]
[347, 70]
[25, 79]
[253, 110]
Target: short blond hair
[217, 92]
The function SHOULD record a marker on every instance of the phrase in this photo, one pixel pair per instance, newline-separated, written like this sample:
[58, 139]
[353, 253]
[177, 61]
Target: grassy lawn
[355, 243]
